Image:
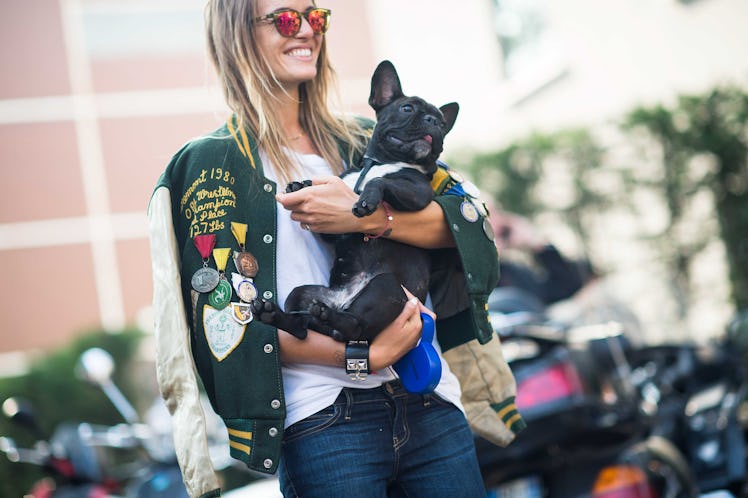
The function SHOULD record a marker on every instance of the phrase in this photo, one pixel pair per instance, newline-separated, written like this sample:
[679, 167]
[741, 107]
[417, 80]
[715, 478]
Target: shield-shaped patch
[222, 332]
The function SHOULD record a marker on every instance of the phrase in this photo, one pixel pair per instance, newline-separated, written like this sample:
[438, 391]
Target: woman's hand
[326, 207]
[400, 336]
[389, 346]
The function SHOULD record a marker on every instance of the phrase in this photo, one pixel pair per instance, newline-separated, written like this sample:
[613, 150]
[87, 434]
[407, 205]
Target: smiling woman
[223, 235]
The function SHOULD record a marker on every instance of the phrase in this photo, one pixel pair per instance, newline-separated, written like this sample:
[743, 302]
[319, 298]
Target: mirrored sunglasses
[288, 21]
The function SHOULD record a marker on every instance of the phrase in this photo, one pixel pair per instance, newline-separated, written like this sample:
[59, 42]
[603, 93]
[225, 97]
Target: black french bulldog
[365, 293]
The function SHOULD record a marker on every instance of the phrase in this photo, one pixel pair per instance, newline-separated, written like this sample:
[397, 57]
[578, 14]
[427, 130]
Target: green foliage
[697, 146]
[517, 176]
[714, 125]
[513, 173]
[57, 396]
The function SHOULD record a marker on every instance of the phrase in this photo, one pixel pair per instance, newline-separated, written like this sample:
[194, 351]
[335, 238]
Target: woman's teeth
[300, 52]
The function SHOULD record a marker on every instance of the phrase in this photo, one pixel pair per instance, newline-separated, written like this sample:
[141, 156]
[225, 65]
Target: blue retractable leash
[421, 369]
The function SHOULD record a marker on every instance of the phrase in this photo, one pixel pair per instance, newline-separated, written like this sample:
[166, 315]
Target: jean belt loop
[427, 399]
[348, 403]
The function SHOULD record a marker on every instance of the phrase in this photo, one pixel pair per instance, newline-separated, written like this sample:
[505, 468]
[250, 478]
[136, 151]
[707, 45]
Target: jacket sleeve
[174, 366]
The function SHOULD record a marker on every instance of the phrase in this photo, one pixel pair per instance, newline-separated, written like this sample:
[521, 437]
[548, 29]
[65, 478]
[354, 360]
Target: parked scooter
[587, 433]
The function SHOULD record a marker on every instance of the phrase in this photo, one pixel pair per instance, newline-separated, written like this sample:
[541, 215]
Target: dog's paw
[364, 207]
[320, 311]
[296, 186]
[266, 311]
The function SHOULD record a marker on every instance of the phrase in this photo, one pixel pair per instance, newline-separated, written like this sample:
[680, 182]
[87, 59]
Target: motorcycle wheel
[665, 466]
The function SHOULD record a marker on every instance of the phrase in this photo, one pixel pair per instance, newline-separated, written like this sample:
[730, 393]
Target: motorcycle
[76, 468]
[698, 391]
[131, 459]
[157, 473]
[588, 433]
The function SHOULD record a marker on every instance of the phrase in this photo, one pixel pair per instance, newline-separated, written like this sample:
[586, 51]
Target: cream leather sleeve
[175, 369]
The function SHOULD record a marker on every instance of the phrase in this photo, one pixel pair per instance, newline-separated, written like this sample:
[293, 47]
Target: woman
[219, 227]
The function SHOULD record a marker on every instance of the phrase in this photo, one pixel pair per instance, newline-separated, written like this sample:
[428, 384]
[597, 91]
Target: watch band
[357, 360]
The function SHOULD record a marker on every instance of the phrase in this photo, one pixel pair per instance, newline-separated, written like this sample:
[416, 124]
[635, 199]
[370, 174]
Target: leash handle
[420, 370]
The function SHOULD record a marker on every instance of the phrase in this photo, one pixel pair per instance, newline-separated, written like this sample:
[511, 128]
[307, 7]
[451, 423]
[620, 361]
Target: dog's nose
[432, 120]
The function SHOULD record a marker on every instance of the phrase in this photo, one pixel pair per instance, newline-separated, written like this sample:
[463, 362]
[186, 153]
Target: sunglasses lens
[319, 20]
[288, 23]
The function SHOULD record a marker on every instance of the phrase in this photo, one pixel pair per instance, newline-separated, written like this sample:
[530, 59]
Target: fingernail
[413, 301]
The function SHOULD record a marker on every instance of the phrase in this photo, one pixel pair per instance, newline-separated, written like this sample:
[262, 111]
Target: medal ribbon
[240, 232]
[205, 244]
[222, 257]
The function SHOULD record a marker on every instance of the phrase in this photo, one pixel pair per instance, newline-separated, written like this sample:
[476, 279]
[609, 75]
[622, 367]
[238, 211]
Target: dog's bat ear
[449, 111]
[385, 86]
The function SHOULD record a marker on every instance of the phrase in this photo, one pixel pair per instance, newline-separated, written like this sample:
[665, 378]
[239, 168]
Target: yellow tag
[240, 232]
[222, 257]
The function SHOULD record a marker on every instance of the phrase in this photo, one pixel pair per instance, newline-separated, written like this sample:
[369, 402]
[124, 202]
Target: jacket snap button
[267, 463]
[275, 404]
[267, 238]
[267, 294]
[273, 432]
[268, 187]
[268, 348]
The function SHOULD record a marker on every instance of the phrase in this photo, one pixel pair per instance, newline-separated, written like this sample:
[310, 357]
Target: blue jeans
[382, 442]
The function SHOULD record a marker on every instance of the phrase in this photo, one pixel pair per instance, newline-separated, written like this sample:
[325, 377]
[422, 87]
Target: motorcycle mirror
[8, 446]
[95, 366]
[21, 412]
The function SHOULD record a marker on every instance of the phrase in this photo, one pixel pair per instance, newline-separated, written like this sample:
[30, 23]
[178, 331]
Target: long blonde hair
[250, 88]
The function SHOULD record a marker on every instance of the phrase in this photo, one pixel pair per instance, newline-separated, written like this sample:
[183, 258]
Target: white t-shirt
[304, 258]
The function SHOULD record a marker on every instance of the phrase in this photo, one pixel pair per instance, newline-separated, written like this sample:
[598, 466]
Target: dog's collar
[366, 163]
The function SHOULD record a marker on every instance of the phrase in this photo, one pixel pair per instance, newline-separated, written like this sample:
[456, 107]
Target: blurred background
[619, 128]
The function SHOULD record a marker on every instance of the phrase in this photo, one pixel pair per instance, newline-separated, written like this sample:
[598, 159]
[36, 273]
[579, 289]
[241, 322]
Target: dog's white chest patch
[377, 171]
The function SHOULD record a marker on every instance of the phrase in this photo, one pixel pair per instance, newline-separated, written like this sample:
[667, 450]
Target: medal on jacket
[244, 287]
[245, 262]
[467, 208]
[246, 265]
[206, 278]
[488, 229]
[220, 297]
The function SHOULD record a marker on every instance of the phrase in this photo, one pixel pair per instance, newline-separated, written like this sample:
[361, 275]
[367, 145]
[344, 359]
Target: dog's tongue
[428, 138]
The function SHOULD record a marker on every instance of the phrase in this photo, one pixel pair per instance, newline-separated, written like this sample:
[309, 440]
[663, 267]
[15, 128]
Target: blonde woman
[219, 220]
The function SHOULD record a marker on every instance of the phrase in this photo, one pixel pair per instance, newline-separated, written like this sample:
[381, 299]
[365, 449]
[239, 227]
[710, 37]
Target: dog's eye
[406, 108]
